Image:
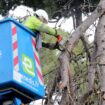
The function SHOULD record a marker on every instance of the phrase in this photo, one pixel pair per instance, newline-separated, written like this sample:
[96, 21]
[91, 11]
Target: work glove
[59, 43]
[59, 38]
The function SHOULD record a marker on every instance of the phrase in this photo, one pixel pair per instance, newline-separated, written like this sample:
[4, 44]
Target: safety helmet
[42, 13]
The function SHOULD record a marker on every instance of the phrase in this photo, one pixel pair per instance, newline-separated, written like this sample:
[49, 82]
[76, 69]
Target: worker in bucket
[38, 23]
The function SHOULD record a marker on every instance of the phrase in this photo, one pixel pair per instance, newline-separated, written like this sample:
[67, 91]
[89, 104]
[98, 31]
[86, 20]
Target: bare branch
[85, 25]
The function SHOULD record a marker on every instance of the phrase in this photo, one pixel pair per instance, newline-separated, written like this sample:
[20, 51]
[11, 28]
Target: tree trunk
[100, 42]
[85, 25]
[64, 61]
[78, 33]
[65, 55]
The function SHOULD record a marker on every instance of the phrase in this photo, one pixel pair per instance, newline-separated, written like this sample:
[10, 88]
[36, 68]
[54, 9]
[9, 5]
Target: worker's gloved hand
[59, 38]
[59, 44]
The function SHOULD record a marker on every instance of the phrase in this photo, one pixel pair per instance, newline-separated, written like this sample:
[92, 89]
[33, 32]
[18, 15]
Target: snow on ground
[38, 102]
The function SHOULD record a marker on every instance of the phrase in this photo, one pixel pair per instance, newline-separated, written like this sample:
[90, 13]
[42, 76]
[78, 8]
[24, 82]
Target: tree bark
[85, 25]
[90, 78]
[77, 34]
[100, 42]
[73, 39]
[70, 44]
[64, 68]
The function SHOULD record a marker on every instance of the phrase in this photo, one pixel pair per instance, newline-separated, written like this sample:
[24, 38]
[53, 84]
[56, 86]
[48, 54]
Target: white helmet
[42, 13]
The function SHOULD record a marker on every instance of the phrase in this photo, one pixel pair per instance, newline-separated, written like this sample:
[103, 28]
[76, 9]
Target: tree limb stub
[64, 68]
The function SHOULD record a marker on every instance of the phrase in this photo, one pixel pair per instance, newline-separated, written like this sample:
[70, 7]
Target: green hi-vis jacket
[35, 24]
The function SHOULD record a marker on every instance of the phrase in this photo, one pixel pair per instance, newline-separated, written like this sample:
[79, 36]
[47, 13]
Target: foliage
[56, 8]
[79, 62]
[49, 58]
[6, 5]
[79, 48]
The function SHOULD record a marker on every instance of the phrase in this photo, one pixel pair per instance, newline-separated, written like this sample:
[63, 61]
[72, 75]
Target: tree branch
[85, 25]
[75, 37]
